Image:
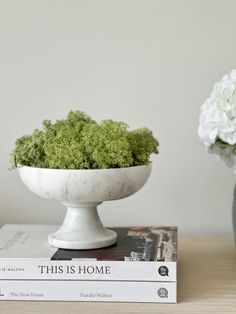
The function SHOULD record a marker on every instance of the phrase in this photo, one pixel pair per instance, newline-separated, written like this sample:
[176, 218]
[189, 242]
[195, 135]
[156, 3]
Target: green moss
[78, 142]
[107, 146]
[142, 145]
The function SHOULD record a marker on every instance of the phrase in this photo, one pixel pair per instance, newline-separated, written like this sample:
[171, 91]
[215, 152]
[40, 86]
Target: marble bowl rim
[85, 170]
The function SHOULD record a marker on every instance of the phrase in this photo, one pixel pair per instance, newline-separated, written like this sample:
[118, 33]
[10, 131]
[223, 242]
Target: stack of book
[141, 267]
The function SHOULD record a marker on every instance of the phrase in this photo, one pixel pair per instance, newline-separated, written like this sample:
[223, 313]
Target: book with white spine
[102, 291]
[141, 253]
[143, 257]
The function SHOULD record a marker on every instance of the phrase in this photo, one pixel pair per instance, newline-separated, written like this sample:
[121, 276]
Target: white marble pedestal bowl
[82, 191]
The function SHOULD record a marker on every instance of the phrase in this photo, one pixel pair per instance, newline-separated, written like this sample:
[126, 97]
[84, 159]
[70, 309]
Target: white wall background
[149, 63]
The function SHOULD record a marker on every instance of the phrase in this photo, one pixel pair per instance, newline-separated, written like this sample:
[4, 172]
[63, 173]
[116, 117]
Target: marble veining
[84, 185]
[82, 191]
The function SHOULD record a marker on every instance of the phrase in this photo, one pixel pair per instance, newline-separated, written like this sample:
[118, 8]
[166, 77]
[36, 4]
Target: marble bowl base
[82, 229]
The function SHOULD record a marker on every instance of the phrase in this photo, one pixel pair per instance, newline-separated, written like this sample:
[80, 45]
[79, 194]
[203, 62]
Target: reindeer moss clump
[78, 142]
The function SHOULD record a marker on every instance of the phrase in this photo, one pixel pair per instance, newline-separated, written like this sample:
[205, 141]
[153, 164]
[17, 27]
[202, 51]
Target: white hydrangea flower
[218, 116]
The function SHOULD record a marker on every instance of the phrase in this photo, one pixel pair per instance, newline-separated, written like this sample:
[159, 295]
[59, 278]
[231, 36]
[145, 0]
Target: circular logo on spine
[163, 271]
[162, 293]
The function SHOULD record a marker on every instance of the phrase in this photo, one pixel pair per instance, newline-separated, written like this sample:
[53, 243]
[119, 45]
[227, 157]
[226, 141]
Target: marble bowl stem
[82, 229]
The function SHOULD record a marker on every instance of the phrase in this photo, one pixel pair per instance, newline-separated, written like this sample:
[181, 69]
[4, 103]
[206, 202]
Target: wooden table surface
[206, 284]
